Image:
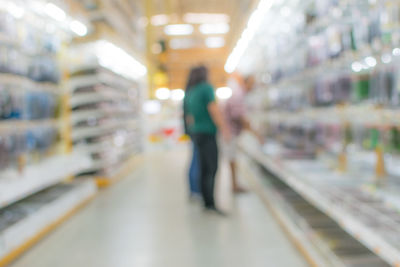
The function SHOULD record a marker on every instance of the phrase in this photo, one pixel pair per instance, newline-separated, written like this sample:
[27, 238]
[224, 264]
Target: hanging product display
[331, 110]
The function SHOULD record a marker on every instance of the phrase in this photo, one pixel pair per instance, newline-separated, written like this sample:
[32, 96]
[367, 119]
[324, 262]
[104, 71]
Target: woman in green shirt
[204, 119]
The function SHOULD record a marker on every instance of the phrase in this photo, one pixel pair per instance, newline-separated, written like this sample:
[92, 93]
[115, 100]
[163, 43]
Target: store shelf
[107, 127]
[23, 124]
[112, 80]
[369, 236]
[6, 39]
[87, 132]
[114, 123]
[92, 148]
[118, 173]
[87, 98]
[15, 186]
[357, 114]
[13, 79]
[318, 237]
[298, 236]
[21, 235]
[84, 115]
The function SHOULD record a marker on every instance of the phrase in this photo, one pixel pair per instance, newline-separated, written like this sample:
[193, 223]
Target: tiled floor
[146, 220]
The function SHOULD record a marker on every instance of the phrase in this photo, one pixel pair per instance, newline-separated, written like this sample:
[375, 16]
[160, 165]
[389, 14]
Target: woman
[204, 119]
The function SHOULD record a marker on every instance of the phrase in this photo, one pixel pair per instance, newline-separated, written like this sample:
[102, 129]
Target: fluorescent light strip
[177, 95]
[13, 9]
[78, 28]
[224, 93]
[48, 9]
[151, 107]
[163, 93]
[214, 28]
[178, 29]
[215, 42]
[118, 60]
[200, 18]
[182, 43]
[55, 12]
[248, 34]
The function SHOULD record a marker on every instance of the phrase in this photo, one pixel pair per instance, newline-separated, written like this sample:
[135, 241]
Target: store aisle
[146, 220]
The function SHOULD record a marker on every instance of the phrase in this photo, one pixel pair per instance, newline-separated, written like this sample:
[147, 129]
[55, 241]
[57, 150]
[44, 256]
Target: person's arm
[219, 120]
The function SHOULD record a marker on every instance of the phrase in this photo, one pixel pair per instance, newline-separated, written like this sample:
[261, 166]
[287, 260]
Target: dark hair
[197, 75]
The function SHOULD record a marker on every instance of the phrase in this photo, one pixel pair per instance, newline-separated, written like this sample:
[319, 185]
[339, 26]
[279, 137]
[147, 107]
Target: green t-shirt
[196, 105]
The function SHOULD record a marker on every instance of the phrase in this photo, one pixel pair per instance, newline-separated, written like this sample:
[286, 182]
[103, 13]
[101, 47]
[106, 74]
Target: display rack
[327, 102]
[318, 237]
[36, 189]
[15, 186]
[105, 119]
[364, 216]
[37, 215]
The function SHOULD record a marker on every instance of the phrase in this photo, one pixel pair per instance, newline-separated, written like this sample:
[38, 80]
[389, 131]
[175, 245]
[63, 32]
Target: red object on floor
[169, 131]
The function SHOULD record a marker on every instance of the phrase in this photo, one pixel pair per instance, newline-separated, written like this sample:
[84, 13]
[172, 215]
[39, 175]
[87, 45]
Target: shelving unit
[322, 241]
[105, 118]
[35, 216]
[36, 188]
[327, 101]
[15, 186]
[364, 216]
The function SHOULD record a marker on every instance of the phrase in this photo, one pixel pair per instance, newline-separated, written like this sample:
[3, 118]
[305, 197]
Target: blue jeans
[194, 172]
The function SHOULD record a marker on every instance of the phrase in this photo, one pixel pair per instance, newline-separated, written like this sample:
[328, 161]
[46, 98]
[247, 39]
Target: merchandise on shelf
[105, 114]
[330, 86]
[27, 50]
[26, 104]
[25, 142]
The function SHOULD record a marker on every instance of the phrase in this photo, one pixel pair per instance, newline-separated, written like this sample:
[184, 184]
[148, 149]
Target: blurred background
[91, 92]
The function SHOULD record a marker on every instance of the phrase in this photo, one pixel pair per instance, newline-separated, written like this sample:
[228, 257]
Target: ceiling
[128, 20]
[179, 61]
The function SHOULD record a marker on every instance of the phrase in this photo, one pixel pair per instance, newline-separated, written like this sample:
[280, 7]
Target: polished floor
[146, 220]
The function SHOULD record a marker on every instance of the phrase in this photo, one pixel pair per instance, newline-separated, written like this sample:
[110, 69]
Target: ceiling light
[200, 18]
[118, 60]
[224, 93]
[178, 29]
[15, 11]
[370, 61]
[55, 12]
[216, 28]
[177, 95]
[163, 93]
[252, 26]
[151, 107]
[357, 66]
[386, 58]
[215, 42]
[182, 43]
[396, 52]
[159, 20]
[78, 28]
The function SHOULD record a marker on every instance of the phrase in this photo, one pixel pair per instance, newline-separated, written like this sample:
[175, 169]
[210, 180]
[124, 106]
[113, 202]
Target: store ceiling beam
[149, 8]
